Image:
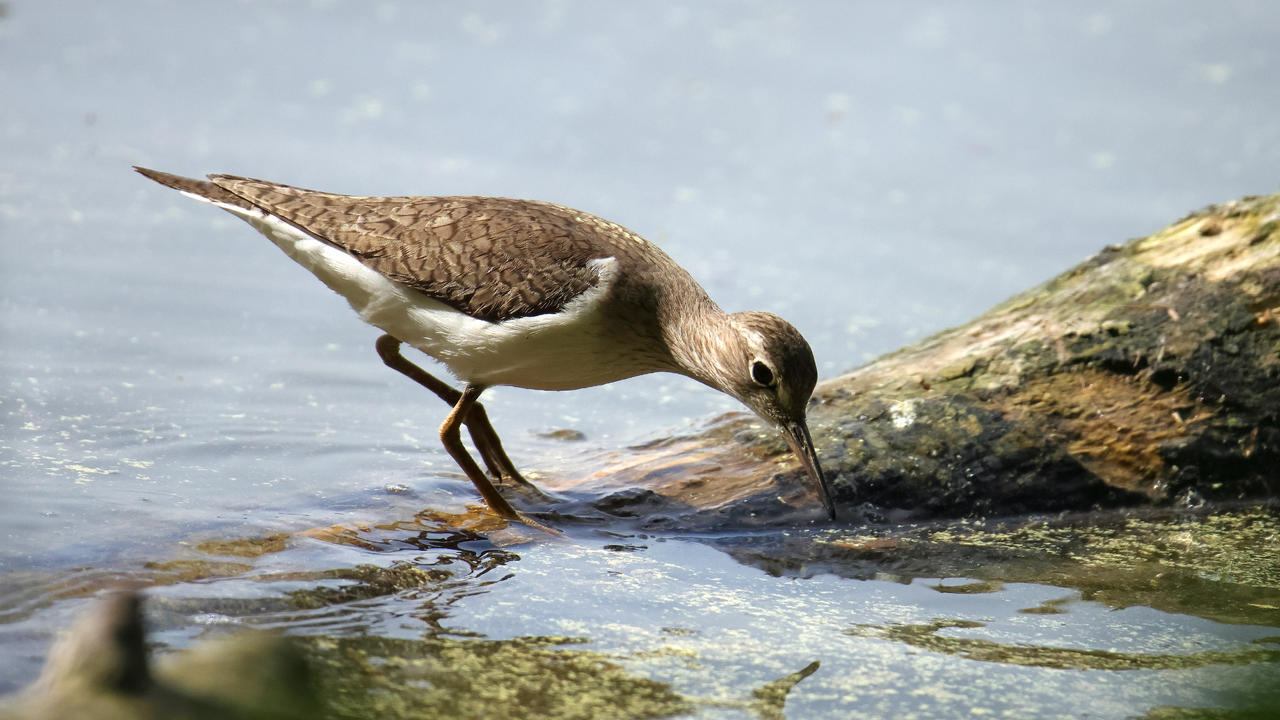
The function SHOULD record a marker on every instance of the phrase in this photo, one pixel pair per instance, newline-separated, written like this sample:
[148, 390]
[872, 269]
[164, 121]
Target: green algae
[245, 547]
[1229, 547]
[526, 677]
[1222, 565]
[520, 678]
[926, 636]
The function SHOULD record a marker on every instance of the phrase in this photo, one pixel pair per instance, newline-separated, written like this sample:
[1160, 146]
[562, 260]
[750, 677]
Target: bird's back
[492, 258]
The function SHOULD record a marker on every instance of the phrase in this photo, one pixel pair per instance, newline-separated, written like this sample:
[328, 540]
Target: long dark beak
[801, 443]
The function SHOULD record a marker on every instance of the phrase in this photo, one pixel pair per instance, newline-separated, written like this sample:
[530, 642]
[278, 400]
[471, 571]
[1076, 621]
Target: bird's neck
[700, 339]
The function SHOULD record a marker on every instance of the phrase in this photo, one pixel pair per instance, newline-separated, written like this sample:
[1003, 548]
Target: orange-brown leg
[476, 420]
[451, 436]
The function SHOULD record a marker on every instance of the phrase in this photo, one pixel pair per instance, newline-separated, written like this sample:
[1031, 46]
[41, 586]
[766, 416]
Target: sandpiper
[523, 293]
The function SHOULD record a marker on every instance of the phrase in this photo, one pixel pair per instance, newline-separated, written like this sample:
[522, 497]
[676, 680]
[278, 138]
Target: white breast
[559, 351]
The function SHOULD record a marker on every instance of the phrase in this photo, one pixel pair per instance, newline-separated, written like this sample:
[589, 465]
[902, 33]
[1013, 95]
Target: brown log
[1148, 374]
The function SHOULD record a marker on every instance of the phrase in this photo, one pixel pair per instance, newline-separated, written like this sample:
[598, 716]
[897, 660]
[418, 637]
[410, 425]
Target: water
[871, 173]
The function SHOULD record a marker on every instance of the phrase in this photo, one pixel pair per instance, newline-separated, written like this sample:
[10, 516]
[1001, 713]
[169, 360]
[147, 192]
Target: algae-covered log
[1150, 373]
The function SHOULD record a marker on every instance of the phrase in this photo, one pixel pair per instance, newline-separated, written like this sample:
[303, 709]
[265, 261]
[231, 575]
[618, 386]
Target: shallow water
[1103, 616]
[871, 173]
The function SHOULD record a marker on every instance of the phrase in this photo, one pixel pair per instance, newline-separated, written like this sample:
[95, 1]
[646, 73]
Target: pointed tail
[199, 189]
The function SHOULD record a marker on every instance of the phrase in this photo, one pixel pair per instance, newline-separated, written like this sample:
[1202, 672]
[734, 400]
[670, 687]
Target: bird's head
[767, 364]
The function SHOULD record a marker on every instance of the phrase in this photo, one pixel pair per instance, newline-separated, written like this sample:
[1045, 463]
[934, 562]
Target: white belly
[561, 351]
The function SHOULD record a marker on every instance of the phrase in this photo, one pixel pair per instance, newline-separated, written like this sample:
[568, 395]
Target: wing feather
[492, 258]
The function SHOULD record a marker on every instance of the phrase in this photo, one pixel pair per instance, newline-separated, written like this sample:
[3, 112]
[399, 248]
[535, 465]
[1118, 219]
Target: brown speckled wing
[492, 258]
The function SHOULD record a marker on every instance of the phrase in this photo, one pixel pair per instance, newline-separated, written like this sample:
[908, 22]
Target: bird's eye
[761, 374]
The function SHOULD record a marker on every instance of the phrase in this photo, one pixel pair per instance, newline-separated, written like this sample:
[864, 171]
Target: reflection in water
[423, 567]
[927, 637]
[979, 587]
[1217, 565]
[332, 580]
